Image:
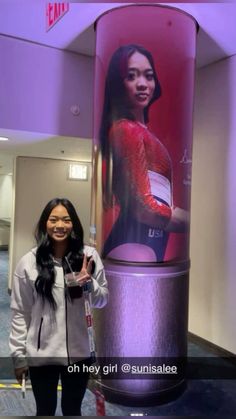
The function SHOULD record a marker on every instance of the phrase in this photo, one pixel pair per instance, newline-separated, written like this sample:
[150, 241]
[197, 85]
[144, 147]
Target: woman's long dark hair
[116, 105]
[44, 253]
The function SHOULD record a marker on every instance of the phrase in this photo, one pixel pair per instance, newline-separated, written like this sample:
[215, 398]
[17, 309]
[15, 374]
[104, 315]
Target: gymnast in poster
[137, 168]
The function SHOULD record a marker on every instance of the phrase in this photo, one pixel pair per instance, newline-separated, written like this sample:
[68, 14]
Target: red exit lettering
[54, 12]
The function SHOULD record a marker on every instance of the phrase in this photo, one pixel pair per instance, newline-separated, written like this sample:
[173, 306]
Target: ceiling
[26, 20]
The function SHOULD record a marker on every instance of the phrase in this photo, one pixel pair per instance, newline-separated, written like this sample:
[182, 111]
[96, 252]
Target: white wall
[5, 208]
[38, 180]
[213, 224]
[38, 86]
[5, 196]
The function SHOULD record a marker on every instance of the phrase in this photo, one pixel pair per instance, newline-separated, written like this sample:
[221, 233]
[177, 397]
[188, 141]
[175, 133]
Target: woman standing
[137, 166]
[49, 330]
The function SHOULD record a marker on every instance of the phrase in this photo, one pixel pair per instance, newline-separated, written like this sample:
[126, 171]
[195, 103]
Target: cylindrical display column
[144, 77]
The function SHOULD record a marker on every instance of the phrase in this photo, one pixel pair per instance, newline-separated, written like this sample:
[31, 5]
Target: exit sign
[54, 12]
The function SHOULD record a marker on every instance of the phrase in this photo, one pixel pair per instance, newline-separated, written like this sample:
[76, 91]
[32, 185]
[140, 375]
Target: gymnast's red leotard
[142, 184]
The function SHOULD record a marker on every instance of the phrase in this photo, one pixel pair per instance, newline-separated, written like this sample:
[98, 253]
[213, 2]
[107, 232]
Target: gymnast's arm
[127, 143]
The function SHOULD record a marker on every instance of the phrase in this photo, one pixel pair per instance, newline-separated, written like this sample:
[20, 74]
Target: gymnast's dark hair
[44, 253]
[116, 106]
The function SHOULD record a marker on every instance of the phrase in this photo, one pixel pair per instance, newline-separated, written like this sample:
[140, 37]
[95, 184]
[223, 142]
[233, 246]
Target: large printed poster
[144, 133]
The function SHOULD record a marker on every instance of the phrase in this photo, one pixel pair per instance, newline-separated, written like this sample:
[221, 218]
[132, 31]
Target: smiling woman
[48, 330]
[59, 225]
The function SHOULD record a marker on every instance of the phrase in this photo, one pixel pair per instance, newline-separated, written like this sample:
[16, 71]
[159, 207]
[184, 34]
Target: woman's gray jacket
[40, 335]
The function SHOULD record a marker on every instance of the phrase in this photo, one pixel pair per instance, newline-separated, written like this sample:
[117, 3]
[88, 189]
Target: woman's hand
[179, 222]
[85, 273]
[19, 372]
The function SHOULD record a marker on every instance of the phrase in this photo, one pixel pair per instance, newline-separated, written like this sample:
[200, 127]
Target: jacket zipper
[39, 333]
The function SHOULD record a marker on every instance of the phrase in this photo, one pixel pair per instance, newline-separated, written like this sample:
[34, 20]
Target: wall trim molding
[215, 349]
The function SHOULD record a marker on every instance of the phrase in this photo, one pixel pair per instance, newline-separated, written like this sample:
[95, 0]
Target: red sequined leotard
[142, 178]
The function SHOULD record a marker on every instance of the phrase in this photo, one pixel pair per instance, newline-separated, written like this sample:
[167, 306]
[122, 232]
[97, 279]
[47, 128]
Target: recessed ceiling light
[4, 139]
